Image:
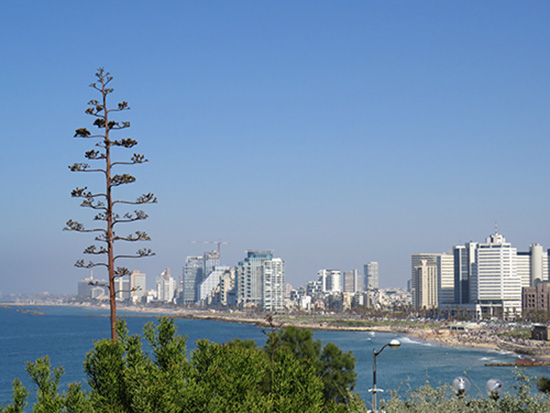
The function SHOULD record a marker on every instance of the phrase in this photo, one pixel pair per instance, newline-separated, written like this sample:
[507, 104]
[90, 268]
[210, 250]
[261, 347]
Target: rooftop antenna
[496, 227]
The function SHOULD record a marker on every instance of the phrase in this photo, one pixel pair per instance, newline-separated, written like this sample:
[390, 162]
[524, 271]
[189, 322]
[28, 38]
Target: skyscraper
[496, 285]
[261, 281]
[416, 261]
[191, 276]
[138, 286]
[122, 288]
[331, 280]
[425, 281]
[166, 286]
[209, 283]
[210, 260]
[352, 281]
[464, 260]
[371, 275]
[445, 280]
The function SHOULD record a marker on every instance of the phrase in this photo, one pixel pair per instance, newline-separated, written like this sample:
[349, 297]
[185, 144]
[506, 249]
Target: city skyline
[331, 134]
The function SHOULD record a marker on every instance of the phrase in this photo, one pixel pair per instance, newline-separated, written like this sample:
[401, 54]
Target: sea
[66, 334]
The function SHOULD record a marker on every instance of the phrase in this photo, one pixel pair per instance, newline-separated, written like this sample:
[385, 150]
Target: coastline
[481, 339]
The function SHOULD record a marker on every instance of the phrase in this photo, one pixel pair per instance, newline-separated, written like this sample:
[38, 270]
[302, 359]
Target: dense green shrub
[291, 373]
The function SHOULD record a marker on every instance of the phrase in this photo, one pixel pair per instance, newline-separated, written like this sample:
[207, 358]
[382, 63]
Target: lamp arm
[382, 349]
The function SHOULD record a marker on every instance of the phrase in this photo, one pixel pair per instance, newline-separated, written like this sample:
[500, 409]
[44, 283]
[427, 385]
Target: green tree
[104, 203]
[19, 397]
[214, 378]
[335, 368]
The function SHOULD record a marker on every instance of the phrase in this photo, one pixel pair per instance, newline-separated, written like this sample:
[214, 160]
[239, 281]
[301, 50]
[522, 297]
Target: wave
[408, 340]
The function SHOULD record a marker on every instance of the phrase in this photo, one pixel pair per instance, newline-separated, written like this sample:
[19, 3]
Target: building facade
[370, 271]
[166, 287]
[331, 280]
[496, 284]
[260, 281]
[426, 283]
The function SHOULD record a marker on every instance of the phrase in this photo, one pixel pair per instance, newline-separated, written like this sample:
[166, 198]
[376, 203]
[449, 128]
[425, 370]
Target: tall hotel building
[425, 282]
[432, 278]
[260, 280]
[495, 285]
[417, 261]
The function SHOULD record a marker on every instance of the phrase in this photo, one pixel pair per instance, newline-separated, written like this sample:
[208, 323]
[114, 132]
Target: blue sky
[334, 133]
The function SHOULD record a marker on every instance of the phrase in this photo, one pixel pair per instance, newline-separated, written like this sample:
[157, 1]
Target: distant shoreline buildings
[256, 282]
[488, 279]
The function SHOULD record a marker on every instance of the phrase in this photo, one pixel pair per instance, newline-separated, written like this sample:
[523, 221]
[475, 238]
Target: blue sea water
[66, 334]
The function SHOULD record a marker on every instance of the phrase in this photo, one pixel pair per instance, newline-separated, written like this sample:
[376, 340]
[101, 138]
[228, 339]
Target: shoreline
[479, 339]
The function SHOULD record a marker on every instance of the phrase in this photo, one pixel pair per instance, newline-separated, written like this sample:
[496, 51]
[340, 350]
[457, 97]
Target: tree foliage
[335, 368]
[108, 210]
[233, 377]
[291, 373]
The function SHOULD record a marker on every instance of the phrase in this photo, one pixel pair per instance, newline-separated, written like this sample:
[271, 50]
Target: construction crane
[219, 242]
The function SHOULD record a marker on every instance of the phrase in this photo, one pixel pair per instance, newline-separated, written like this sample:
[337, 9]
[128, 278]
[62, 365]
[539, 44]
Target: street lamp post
[394, 345]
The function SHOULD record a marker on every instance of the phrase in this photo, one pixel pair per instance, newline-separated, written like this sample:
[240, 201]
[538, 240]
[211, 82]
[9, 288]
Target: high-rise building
[523, 267]
[227, 288]
[536, 298]
[209, 283]
[166, 286]
[195, 270]
[425, 281]
[261, 281]
[331, 280]
[138, 286]
[496, 285]
[191, 276]
[464, 260]
[445, 280]
[416, 261]
[532, 266]
[92, 288]
[371, 275]
[210, 260]
[352, 281]
[313, 288]
[123, 291]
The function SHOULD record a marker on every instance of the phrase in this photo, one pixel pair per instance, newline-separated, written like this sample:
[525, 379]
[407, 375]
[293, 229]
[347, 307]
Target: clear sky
[331, 132]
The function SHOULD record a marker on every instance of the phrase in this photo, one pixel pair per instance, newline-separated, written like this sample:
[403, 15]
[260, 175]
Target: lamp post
[461, 386]
[394, 345]
[494, 388]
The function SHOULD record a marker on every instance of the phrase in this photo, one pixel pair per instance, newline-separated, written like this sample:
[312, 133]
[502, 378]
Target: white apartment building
[445, 280]
[166, 287]
[331, 280]
[260, 280]
[416, 261]
[138, 286]
[206, 286]
[495, 286]
[274, 285]
[122, 288]
[426, 283]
